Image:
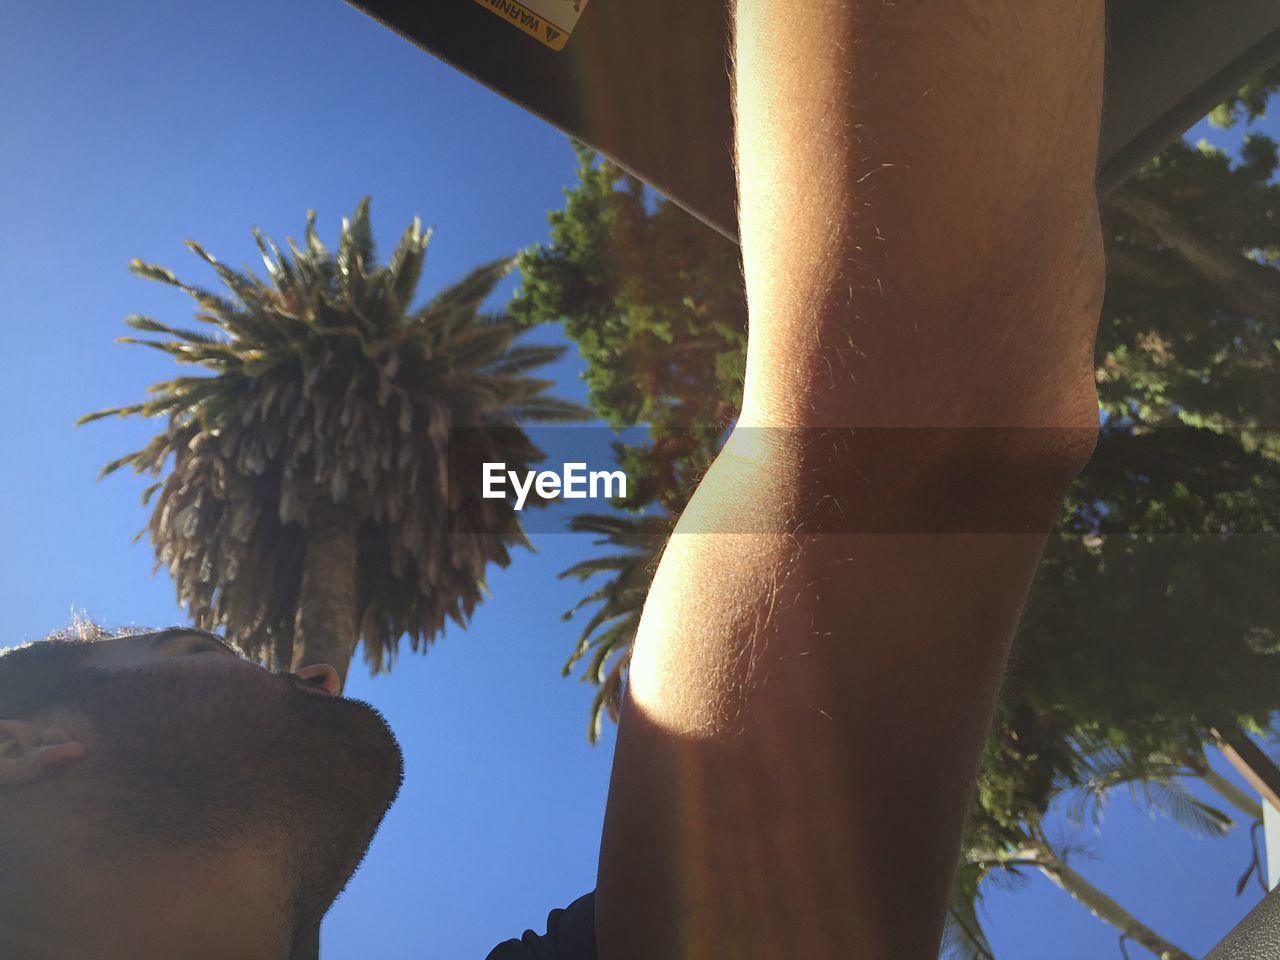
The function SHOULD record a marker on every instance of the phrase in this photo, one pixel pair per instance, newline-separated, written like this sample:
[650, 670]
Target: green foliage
[1249, 103]
[608, 634]
[322, 384]
[963, 937]
[654, 301]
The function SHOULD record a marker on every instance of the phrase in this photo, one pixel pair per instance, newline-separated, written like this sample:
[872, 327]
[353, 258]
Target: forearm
[823, 642]
[800, 737]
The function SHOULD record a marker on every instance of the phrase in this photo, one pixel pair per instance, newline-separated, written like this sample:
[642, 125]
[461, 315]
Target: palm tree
[965, 939]
[610, 632]
[324, 485]
[1156, 780]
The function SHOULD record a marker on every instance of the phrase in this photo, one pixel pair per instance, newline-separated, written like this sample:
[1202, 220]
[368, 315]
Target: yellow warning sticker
[550, 21]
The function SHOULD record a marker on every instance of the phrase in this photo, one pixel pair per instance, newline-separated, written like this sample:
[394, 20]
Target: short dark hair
[35, 675]
[30, 676]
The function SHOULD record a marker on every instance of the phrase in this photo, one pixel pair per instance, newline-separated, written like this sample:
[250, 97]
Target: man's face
[194, 748]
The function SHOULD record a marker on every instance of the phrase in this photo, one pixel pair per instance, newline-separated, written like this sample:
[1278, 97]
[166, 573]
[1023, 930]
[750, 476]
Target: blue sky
[133, 128]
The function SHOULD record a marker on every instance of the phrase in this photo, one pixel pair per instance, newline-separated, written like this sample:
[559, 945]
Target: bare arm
[823, 642]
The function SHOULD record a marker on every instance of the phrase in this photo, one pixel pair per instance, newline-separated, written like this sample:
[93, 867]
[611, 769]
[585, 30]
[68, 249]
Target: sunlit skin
[921, 249]
[61, 898]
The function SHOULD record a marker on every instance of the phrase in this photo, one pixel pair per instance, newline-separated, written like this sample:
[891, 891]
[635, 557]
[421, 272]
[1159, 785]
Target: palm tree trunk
[1106, 909]
[1229, 792]
[282, 651]
[325, 628]
[325, 625]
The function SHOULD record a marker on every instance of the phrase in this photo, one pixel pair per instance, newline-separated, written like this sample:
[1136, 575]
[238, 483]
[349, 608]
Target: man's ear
[30, 748]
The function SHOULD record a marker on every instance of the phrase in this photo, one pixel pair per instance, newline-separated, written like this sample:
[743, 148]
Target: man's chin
[375, 743]
[209, 758]
[352, 740]
[363, 768]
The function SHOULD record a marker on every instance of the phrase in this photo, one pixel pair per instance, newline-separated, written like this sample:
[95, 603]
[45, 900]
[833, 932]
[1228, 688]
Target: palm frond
[356, 249]
[405, 267]
[278, 267]
[549, 410]
[148, 325]
[963, 937]
[1154, 780]
[1175, 801]
[461, 300]
[593, 565]
[215, 305]
[522, 359]
[109, 412]
[114, 465]
[245, 286]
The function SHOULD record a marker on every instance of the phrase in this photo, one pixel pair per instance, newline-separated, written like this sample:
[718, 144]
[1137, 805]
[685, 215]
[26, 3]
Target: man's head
[164, 758]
